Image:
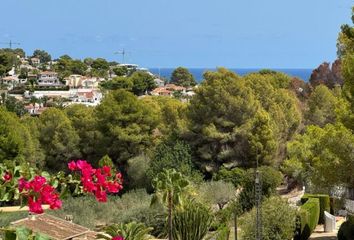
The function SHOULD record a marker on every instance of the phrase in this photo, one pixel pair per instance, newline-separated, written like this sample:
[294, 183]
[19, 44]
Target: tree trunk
[170, 205]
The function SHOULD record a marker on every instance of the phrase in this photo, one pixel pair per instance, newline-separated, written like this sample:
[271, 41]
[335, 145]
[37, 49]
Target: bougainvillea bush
[28, 186]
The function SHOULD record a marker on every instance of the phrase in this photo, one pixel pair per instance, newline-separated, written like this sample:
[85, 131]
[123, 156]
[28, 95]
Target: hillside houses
[58, 83]
[49, 78]
[79, 81]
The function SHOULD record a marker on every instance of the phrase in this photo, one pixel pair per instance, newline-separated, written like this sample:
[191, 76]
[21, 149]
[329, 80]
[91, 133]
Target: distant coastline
[304, 74]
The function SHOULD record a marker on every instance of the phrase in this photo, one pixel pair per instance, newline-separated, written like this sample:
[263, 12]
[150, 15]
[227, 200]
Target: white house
[159, 82]
[48, 78]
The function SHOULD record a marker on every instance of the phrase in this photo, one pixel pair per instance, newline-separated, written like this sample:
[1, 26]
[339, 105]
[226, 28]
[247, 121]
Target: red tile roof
[55, 228]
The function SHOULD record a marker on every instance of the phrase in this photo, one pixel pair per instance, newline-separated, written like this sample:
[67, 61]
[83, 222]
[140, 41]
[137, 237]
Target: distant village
[38, 84]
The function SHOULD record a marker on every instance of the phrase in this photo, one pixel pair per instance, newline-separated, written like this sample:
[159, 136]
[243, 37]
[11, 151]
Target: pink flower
[101, 196]
[107, 170]
[113, 187]
[35, 206]
[81, 164]
[7, 177]
[23, 184]
[55, 203]
[97, 181]
[37, 183]
[88, 185]
[118, 238]
[72, 166]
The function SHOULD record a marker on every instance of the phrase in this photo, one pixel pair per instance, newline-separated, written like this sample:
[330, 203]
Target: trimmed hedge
[325, 204]
[308, 217]
[346, 230]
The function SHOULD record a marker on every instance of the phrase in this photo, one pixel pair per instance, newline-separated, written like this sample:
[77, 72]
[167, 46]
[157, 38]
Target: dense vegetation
[194, 161]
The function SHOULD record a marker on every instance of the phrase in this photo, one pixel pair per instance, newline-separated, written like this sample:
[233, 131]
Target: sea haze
[304, 74]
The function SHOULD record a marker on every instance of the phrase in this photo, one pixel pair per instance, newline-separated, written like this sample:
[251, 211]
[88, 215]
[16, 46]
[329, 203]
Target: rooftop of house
[174, 87]
[10, 78]
[161, 90]
[55, 228]
[48, 72]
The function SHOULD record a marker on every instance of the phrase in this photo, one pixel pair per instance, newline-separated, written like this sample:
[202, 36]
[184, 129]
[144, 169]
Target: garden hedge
[346, 230]
[308, 217]
[325, 204]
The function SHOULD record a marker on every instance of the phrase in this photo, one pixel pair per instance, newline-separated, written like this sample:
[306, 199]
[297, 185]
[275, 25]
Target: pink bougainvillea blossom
[118, 238]
[98, 181]
[39, 192]
[7, 177]
[72, 166]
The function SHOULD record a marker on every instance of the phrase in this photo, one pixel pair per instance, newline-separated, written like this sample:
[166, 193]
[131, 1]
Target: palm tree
[129, 231]
[169, 185]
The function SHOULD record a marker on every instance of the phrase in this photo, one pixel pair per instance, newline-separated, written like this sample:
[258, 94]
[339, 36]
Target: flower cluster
[39, 192]
[7, 177]
[97, 181]
[118, 238]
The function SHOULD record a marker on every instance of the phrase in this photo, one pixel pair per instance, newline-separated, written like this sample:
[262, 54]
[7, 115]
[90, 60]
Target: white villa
[48, 78]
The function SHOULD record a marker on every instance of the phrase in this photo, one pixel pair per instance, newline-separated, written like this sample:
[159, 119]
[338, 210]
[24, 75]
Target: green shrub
[130, 231]
[132, 206]
[346, 231]
[308, 217]
[325, 204]
[136, 171]
[173, 154]
[302, 227]
[270, 180]
[191, 222]
[8, 217]
[217, 193]
[278, 221]
[21, 233]
[235, 176]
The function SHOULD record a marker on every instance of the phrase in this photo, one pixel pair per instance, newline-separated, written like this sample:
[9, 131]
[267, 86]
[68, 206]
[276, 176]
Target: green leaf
[10, 235]
[22, 233]
[39, 236]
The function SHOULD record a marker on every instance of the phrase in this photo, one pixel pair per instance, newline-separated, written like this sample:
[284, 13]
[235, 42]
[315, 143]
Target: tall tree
[314, 155]
[182, 77]
[321, 106]
[127, 124]
[142, 82]
[6, 63]
[100, 67]
[346, 53]
[16, 141]
[43, 56]
[58, 138]
[169, 186]
[84, 122]
[228, 123]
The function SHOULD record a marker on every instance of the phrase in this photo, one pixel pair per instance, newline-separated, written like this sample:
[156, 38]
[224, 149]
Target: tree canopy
[234, 120]
[43, 56]
[126, 123]
[182, 77]
[58, 138]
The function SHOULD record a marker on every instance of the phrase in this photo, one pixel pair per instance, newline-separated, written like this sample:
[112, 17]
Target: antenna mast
[10, 43]
[123, 53]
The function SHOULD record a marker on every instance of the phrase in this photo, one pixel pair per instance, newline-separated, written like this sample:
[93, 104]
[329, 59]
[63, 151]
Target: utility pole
[123, 53]
[235, 224]
[258, 198]
[10, 43]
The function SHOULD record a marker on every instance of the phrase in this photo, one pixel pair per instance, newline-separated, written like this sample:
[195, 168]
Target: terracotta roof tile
[53, 227]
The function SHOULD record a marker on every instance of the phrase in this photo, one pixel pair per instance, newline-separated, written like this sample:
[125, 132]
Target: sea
[303, 74]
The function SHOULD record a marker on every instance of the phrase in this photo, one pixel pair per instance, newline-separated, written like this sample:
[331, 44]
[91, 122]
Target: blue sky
[191, 33]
